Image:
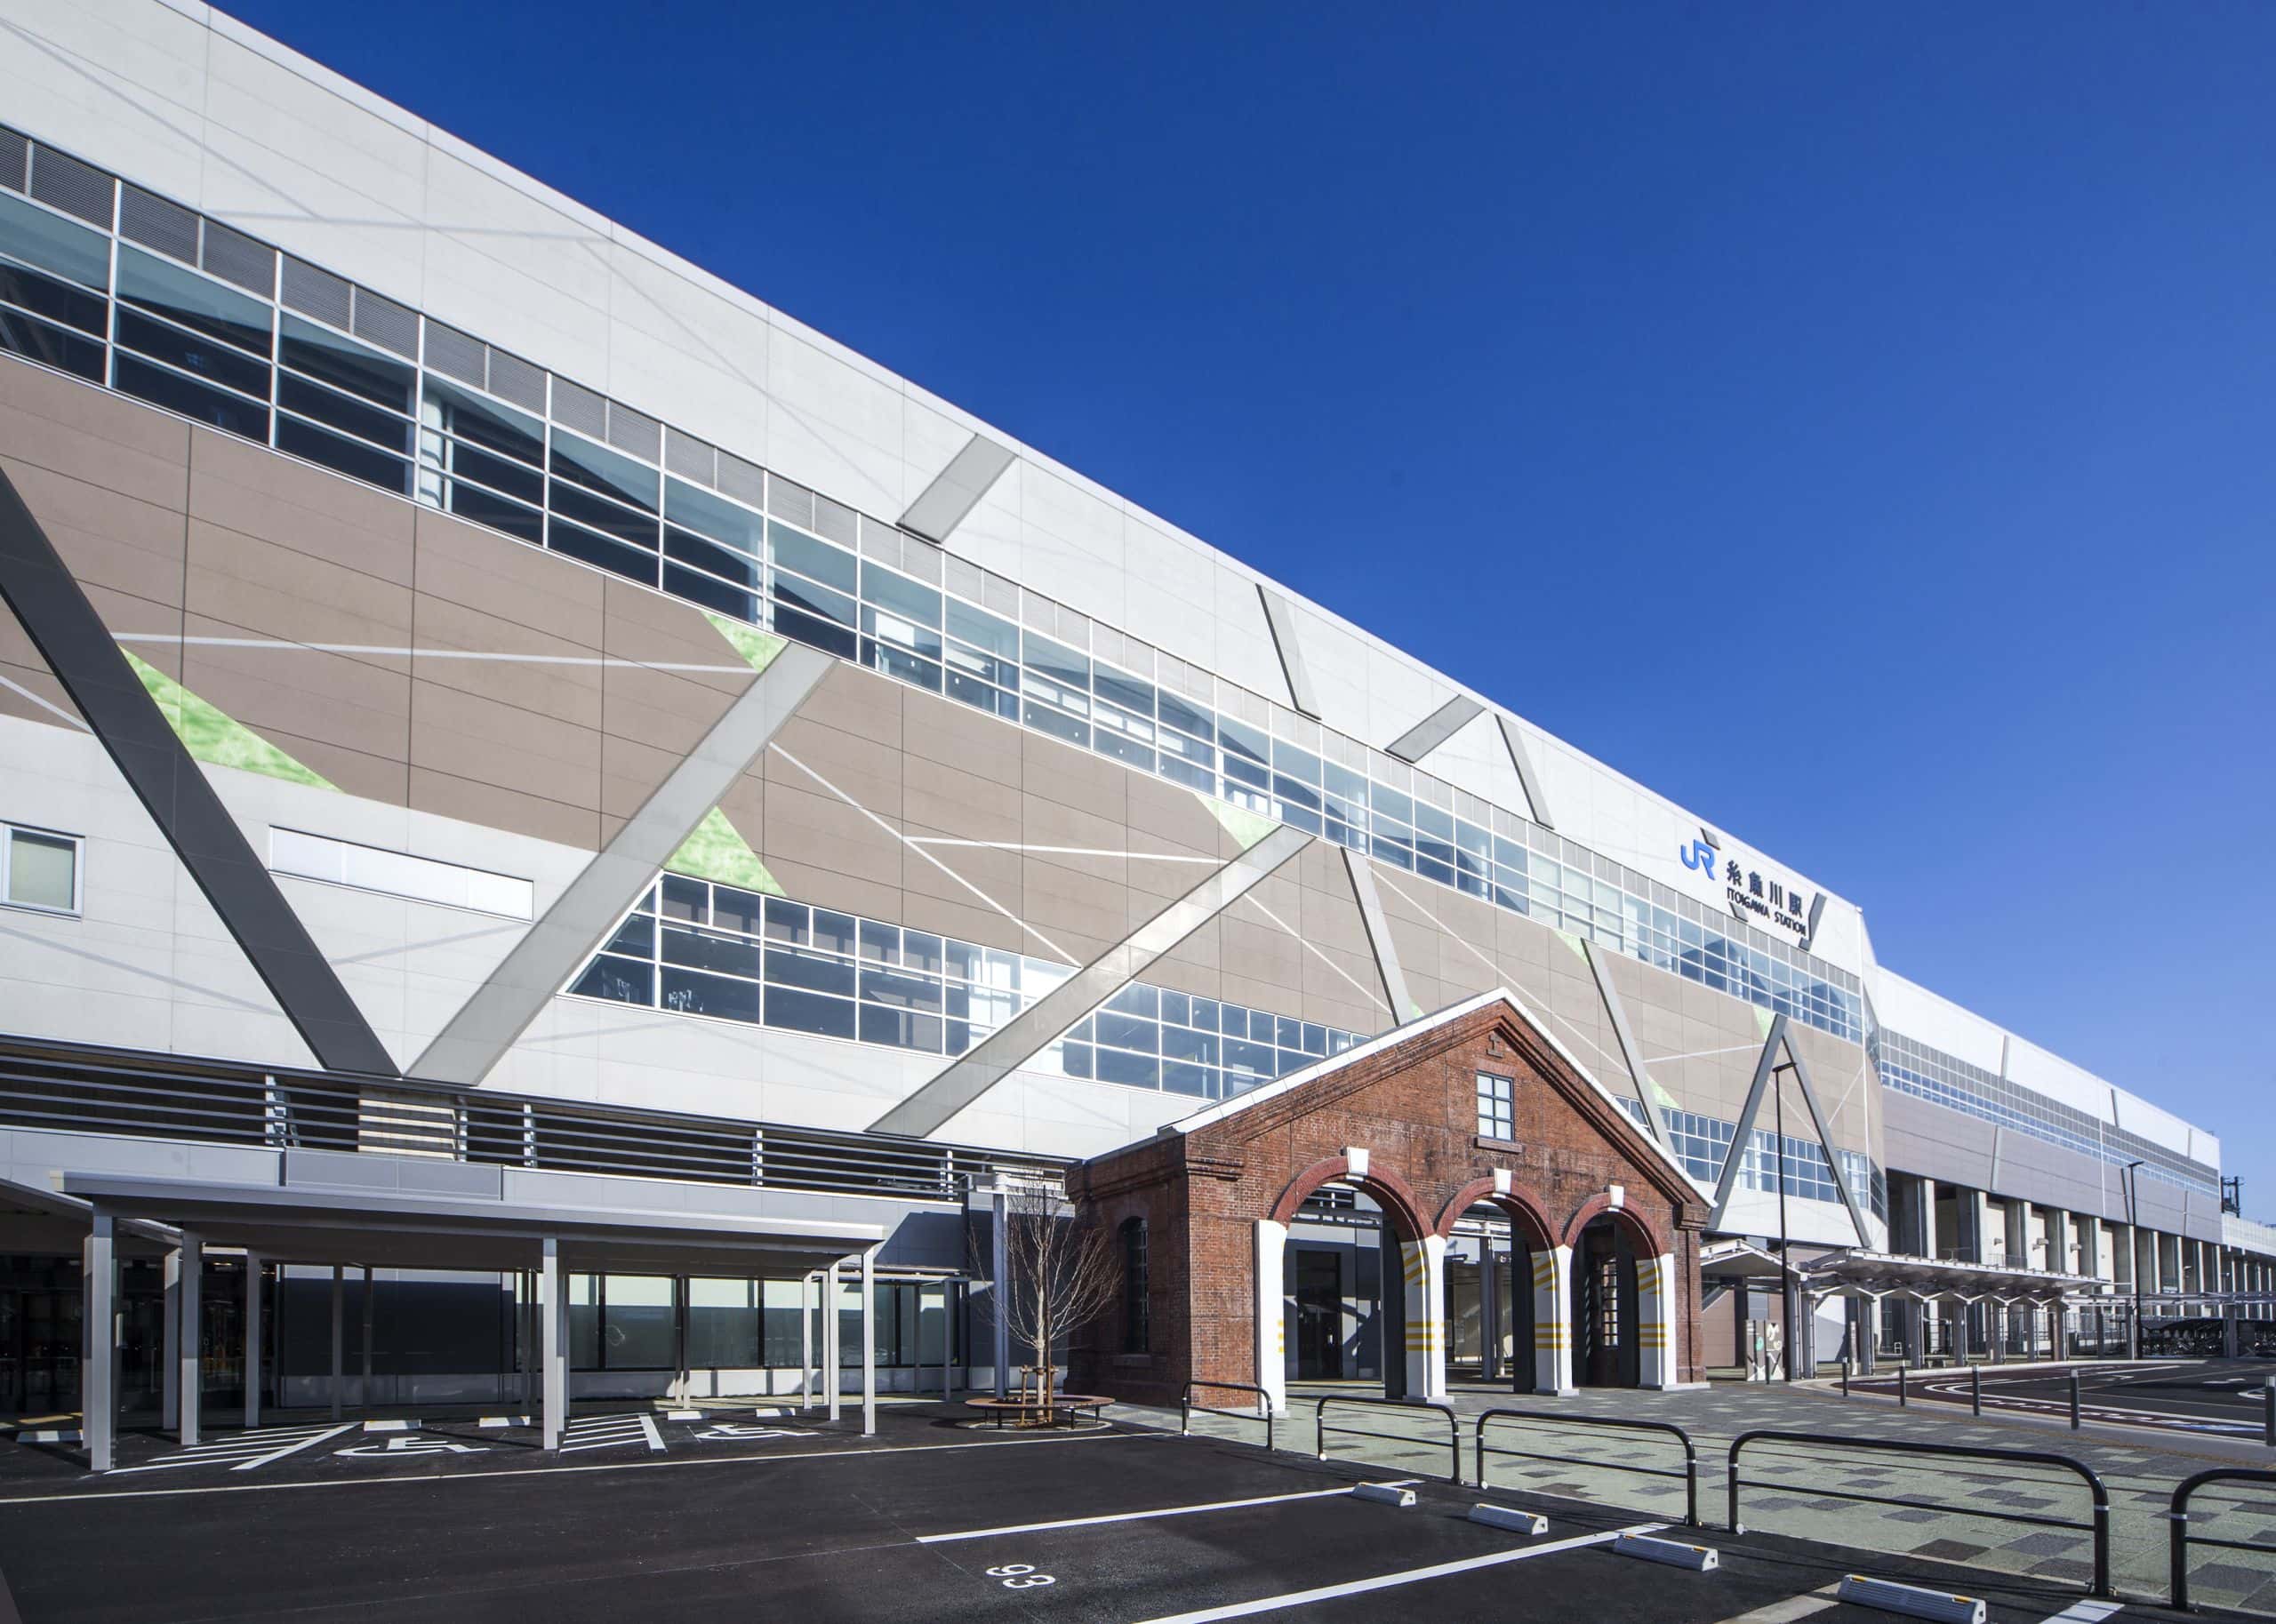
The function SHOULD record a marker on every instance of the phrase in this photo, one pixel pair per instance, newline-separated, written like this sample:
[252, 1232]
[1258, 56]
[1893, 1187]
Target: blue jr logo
[1700, 855]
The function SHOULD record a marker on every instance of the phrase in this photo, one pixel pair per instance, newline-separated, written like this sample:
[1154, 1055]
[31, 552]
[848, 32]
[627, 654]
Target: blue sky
[1855, 423]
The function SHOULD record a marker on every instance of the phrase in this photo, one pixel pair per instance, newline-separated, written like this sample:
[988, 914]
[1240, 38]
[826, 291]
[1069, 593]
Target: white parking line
[2087, 1611]
[1407, 1576]
[244, 1451]
[612, 1432]
[1788, 1608]
[1139, 1516]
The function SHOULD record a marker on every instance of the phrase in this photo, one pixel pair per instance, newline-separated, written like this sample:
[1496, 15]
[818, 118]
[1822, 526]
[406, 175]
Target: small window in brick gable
[1496, 1107]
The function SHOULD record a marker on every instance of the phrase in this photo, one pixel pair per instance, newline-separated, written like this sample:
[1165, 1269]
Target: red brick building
[1476, 1106]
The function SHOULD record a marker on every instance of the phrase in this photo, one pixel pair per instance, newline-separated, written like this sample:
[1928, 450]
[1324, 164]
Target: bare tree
[1061, 1273]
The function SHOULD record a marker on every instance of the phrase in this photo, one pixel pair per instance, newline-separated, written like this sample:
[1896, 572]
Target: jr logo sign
[1700, 855]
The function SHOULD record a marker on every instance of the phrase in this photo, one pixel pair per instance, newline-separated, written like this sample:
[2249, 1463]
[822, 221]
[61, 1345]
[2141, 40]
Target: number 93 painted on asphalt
[1020, 1576]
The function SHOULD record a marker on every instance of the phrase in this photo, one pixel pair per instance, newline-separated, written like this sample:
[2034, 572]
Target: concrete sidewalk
[1802, 1481]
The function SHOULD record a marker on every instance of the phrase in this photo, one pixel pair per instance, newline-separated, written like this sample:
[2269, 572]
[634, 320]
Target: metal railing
[1689, 1474]
[1453, 1425]
[2098, 1525]
[1187, 1409]
[2178, 1515]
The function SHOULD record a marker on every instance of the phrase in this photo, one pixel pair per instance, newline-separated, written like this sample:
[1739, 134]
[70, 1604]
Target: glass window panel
[1242, 743]
[584, 1294]
[705, 950]
[796, 550]
[983, 631]
[42, 870]
[637, 1323]
[626, 980]
[485, 422]
[723, 1324]
[192, 352]
[176, 393]
[348, 415]
[341, 455]
[901, 991]
[1181, 1078]
[1128, 1031]
[1135, 1070]
[1128, 692]
[1044, 719]
[501, 473]
[899, 1029]
[715, 516]
[53, 296]
[804, 1011]
[606, 552]
[49, 243]
[636, 935]
[814, 972]
[899, 596]
[189, 299]
[1200, 1047]
[689, 992]
[49, 345]
[481, 507]
[598, 468]
[1058, 662]
[346, 364]
[572, 503]
[1187, 716]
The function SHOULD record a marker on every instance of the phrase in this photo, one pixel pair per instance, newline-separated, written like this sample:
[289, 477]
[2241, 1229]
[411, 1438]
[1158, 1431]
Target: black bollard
[1976, 1388]
[2074, 1401]
[1900, 1383]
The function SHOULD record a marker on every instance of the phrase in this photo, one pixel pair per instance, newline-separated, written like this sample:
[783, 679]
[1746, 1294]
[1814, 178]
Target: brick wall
[1413, 1107]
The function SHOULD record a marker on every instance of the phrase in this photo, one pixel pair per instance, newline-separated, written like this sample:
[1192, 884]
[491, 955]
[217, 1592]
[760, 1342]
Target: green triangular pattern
[716, 851]
[211, 734]
[1243, 825]
[1668, 1101]
[1413, 1011]
[1574, 942]
[757, 647]
[1762, 1019]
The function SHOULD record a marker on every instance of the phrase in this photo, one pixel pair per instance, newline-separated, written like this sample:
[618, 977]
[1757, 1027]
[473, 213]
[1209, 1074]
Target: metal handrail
[1188, 1409]
[1453, 1425]
[2099, 1525]
[2182, 1539]
[1689, 1474]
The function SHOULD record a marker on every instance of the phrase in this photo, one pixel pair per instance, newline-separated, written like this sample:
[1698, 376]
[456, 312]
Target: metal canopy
[381, 1228]
[1879, 1272]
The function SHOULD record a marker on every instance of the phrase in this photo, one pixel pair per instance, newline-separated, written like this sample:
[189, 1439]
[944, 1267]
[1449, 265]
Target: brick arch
[1600, 1204]
[1521, 1205]
[1391, 1192]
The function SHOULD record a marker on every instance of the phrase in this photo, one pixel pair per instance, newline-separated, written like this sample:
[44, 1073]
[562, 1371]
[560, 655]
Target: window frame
[79, 844]
[1497, 1105]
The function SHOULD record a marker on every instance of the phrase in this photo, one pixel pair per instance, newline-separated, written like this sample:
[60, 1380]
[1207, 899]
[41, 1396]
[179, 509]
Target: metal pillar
[193, 1277]
[98, 1324]
[363, 1392]
[869, 1342]
[339, 1336]
[948, 1333]
[169, 1344]
[805, 1344]
[999, 1285]
[553, 1309]
[832, 1315]
[252, 1338]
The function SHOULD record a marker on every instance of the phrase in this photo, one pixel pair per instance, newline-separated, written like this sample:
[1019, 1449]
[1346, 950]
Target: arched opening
[1351, 1266]
[1500, 1311]
[1607, 1343]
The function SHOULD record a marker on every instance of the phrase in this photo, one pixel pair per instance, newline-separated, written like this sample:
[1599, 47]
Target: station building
[555, 821]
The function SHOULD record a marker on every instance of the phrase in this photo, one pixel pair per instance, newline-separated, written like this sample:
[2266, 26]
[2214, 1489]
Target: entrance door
[48, 1351]
[1319, 1316]
[1523, 1363]
[1607, 1351]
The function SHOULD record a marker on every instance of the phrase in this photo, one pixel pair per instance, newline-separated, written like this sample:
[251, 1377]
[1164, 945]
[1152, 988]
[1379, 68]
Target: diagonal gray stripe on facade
[1631, 1054]
[489, 1022]
[957, 489]
[1280, 617]
[1403, 1007]
[1435, 729]
[173, 788]
[964, 1081]
[1522, 758]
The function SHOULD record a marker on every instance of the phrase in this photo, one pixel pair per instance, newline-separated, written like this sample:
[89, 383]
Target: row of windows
[1702, 1144]
[700, 948]
[1913, 1067]
[631, 1322]
[490, 438]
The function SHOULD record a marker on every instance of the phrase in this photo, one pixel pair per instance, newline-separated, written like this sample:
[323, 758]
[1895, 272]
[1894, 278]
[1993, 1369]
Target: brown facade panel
[255, 492]
[82, 432]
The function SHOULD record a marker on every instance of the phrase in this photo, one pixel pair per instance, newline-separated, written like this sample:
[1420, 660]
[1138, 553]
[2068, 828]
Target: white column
[193, 1275]
[1426, 1316]
[832, 1376]
[339, 1336]
[1654, 1299]
[553, 1309]
[169, 1344]
[99, 1326]
[870, 1344]
[1552, 1320]
[364, 1392]
[806, 1289]
[1271, 1318]
[252, 1338]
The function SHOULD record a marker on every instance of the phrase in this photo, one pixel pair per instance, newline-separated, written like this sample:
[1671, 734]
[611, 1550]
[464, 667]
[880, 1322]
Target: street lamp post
[1785, 1267]
[2133, 1242]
